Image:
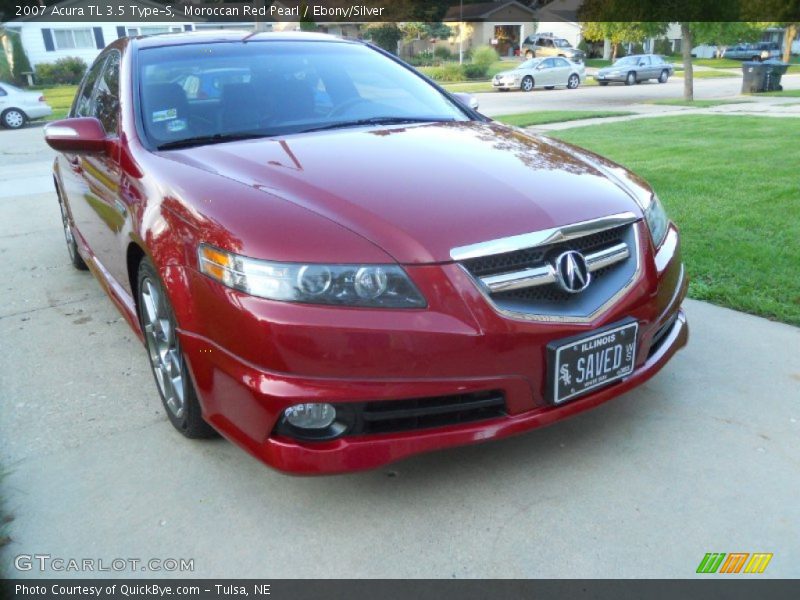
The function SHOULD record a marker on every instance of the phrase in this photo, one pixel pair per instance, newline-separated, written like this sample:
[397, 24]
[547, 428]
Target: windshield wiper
[217, 138]
[377, 121]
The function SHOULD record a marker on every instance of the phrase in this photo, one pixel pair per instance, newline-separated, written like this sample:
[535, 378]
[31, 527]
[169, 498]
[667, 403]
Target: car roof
[217, 36]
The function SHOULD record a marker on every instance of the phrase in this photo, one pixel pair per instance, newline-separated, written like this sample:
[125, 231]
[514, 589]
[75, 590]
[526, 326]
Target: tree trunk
[788, 37]
[686, 50]
[614, 52]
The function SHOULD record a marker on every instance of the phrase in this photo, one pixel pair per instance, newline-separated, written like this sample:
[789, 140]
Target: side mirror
[82, 135]
[467, 100]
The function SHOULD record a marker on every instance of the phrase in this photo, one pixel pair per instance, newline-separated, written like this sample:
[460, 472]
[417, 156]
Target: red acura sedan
[336, 264]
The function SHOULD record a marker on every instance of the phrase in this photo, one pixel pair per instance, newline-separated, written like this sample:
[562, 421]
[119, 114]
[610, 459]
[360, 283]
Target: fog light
[310, 416]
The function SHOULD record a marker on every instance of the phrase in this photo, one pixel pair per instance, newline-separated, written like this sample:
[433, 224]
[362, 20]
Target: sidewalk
[765, 106]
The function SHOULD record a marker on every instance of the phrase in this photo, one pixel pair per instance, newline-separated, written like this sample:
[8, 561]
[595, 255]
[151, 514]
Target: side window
[106, 100]
[560, 62]
[2, 92]
[549, 63]
[83, 102]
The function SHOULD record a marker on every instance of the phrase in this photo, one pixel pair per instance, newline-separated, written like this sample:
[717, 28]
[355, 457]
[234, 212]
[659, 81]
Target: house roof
[482, 11]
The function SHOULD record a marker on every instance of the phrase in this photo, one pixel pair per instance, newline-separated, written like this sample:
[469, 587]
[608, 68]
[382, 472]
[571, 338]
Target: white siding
[33, 40]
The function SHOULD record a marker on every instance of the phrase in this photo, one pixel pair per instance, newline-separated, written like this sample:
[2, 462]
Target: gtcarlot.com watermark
[46, 563]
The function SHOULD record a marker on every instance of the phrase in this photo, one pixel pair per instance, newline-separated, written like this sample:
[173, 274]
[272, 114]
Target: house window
[152, 30]
[73, 39]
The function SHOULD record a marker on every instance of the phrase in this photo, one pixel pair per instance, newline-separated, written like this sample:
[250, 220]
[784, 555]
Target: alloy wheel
[13, 119]
[663, 77]
[527, 84]
[163, 347]
[573, 82]
[631, 79]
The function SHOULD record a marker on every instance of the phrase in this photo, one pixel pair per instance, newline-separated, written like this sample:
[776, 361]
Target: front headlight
[657, 220]
[375, 286]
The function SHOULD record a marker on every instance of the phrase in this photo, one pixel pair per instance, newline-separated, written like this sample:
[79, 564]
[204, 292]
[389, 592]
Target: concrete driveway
[704, 458]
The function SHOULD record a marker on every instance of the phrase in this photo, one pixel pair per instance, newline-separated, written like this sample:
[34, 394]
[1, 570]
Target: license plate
[585, 362]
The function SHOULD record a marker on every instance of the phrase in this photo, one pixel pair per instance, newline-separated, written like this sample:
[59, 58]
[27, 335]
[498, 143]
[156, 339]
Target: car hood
[419, 191]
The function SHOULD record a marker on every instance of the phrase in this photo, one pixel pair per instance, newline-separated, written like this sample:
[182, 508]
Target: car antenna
[249, 35]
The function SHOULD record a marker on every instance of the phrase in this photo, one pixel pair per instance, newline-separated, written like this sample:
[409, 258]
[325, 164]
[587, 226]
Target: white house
[46, 41]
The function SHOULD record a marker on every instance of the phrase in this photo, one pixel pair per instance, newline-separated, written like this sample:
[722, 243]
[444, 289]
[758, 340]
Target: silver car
[541, 72]
[18, 106]
[636, 68]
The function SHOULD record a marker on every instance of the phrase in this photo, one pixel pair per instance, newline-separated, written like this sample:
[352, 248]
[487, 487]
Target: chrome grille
[522, 281]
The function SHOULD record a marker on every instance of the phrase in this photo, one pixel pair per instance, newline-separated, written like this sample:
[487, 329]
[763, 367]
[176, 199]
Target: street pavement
[614, 96]
[703, 458]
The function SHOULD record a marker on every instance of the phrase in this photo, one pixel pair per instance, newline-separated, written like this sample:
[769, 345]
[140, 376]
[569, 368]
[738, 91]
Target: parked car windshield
[530, 64]
[627, 60]
[265, 88]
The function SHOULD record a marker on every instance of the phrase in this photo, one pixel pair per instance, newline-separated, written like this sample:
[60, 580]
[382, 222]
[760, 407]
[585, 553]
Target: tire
[527, 84]
[663, 77]
[603, 83]
[573, 82]
[170, 370]
[13, 118]
[72, 246]
[631, 78]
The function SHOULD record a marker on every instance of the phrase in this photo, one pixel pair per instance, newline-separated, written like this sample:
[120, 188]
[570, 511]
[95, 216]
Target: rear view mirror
[82, 135]
[467, 100]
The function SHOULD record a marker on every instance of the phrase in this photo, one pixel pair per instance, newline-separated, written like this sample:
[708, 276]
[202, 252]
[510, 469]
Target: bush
[442, 52]
[662, 46]
[65, 71]
[447, 72]
[485, 55]
[385, 35]
[423, 59]
[475, 71]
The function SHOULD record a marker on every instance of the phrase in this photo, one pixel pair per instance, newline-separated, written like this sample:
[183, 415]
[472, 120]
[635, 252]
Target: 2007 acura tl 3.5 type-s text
[336, 264]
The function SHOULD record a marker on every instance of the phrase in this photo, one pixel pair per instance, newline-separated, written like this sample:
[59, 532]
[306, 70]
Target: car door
[100, 215]
[561, 71]
[546, 75]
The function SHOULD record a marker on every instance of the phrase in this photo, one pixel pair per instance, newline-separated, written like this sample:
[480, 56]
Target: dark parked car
[334, 283]
[636, 68]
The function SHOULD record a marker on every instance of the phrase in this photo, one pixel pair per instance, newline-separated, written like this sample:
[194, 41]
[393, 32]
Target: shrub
[65, 71]
[443, 53]
[423, 59]
[5, 69]
[475, 71]
[448, 72]
[385, 35]
[485, 55]
[662, 46]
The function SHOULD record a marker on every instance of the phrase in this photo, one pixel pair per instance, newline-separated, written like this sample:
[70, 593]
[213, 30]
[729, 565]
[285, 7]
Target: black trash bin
[772, 79]
[762, 76]
[754, 77]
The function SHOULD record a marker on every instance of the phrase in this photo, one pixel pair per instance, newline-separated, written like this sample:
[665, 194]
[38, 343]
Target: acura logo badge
[572, 272]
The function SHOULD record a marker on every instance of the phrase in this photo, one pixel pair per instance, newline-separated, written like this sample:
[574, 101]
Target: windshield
[628, 60]
[254, 89]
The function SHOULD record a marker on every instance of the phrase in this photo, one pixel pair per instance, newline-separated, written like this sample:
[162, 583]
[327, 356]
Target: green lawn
[784, 93]
[60, 98]
[558, 116]
[739, 212]
[470, 87]
[717, 63]
[695, 103]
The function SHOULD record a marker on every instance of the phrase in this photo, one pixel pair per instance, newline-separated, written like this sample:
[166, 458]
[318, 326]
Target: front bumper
[251, 359]
[506, 84]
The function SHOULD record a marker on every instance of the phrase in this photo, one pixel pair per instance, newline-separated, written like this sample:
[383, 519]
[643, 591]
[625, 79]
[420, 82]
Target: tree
[385, 35]
[723, 34]
[617, 32]
[20, 64]
[417, 30]
[306, 20]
